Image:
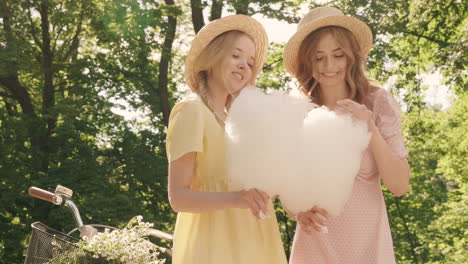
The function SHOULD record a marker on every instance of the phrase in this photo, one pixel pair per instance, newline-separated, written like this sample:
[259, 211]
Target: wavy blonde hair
[356, 81]
[211, 57]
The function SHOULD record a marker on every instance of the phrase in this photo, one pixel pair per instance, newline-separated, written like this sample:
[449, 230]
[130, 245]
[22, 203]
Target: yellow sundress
[228, 236]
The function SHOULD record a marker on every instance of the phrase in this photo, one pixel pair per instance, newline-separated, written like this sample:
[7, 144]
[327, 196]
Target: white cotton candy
[278, 144]
[332, 148]
[263, 131]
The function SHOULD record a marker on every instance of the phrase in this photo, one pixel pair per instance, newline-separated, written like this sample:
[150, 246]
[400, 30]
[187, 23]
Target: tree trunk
[242, 7]
[164, 63]
[197, 15]
[216, 9]
[48, 93]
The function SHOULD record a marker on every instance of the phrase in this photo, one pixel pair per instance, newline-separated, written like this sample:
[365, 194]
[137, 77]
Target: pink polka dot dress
[361, 233]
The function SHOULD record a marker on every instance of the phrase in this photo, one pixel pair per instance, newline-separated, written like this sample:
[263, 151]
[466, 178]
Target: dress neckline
[221, 124]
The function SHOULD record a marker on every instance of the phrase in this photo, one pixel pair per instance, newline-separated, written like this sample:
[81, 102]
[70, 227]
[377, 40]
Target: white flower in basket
[129, 245]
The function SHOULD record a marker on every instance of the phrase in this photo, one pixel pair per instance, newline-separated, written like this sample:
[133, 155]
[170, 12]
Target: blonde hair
[211, 57]
[356, 81]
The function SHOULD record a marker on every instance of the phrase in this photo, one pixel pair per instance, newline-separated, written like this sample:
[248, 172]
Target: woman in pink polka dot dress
[327, 55]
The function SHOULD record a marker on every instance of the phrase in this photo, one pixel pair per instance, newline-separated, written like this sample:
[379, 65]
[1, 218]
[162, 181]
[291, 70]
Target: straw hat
[323, 17]
[210, 31]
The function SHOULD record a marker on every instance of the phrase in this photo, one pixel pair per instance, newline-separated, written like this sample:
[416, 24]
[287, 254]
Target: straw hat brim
[243, 23]
[359, 29]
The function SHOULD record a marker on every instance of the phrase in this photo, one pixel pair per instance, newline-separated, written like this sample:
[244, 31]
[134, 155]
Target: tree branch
[9, 79]
[10, 108]
[440, 42]
[75, 40]
[33, 31]
[7, 95]
[409, 235]
[57, 35]
[270, 65]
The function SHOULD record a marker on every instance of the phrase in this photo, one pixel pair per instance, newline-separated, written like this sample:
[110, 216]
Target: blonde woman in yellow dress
[216, 225]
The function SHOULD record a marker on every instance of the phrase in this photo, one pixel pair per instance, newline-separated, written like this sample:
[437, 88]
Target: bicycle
[46, 243]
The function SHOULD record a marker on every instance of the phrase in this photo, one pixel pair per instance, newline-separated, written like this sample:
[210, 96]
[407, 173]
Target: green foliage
[449, 230]
[428, 224]
[115, 170]
[77, 256]
[287, 227]
[274, 75]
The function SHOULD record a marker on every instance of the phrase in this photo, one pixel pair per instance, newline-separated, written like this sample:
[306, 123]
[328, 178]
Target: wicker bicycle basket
[47, 245]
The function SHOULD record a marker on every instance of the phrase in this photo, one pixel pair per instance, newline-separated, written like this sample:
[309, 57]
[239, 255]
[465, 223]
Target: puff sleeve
[185, 130]
[387, 116]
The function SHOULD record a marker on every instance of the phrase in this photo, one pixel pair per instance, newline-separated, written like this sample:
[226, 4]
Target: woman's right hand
[254, 199]
[315, 218]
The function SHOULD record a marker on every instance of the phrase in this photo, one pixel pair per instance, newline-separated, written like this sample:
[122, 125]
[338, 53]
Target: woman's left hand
[357, 111]
[315, 218]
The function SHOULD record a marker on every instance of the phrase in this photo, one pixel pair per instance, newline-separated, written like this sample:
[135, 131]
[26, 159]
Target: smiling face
[329, 62]
[234, 71]
[330, 57]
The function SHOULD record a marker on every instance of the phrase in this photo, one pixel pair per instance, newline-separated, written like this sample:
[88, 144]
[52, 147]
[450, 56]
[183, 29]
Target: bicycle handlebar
[45, 195]
[160, 234]
[63, 195]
